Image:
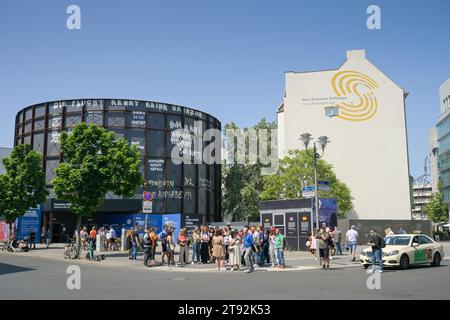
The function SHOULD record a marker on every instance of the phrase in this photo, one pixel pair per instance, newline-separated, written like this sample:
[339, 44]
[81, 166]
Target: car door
[427, 245]
[418, 252]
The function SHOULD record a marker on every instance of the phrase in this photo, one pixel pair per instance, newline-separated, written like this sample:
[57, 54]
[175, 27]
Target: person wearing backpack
[147, 245]
[377, 243]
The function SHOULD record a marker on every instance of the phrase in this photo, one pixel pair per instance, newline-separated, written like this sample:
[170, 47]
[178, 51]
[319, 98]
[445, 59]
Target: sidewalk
[295, 261]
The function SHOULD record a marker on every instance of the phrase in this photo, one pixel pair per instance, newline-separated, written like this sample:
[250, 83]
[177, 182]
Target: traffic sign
[147, 206]
[148, 196]
[324, 185]
[308, 191]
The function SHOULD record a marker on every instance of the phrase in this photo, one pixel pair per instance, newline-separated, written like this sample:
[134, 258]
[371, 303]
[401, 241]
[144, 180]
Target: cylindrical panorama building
[190, 189]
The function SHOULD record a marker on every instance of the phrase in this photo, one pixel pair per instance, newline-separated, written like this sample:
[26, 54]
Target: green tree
[243, 182]
[23, 185]
[437, 209]
[297, 170]
[95, 163]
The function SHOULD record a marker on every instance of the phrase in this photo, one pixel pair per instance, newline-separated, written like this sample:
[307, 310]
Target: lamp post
[146, 214]
[322, 140]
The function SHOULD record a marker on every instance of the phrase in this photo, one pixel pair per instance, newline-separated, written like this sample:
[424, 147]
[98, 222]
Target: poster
[327, 211]
[190, 222]
[30, 221]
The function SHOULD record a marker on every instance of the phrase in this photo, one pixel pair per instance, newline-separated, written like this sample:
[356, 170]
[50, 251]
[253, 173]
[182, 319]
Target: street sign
[147, 206]
[324, 185]
[147, 196]
[308, 191]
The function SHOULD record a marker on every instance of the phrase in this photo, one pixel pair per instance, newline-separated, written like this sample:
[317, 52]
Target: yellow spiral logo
[360, 86]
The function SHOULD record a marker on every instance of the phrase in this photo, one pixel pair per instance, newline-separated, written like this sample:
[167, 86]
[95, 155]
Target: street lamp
[323, 141]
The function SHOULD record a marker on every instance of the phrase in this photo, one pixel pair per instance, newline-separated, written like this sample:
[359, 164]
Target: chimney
[356, 54]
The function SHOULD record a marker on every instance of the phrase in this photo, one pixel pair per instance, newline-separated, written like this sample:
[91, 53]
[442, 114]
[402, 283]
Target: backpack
[145, 242]
[382, 243]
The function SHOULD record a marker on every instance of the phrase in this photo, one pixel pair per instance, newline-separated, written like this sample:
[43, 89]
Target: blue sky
[225, 57]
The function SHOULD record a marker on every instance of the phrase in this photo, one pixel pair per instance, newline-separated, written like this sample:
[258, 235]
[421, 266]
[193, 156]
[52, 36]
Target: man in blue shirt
[248, 247]
[162, 237]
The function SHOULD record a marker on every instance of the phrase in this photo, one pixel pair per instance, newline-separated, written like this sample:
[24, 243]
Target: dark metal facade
[178, 188]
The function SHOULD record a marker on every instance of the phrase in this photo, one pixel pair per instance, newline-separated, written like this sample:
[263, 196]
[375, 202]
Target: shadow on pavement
[9, 268]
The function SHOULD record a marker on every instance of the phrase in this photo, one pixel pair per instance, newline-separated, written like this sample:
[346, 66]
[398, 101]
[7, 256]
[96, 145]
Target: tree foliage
[23, 185]
[297, 170]
[95, 163]
[243, 183]
[437, 209]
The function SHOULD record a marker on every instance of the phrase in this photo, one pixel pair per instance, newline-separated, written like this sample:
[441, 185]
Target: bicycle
[71, 250]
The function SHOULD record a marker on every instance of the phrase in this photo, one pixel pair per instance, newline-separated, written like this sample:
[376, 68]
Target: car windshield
[397, 241]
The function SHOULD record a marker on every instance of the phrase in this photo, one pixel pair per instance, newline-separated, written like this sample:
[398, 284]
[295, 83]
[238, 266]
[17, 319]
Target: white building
[433, 156]
[422, 193]
[368, 148]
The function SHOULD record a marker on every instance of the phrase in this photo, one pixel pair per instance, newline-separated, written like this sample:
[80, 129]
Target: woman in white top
[273, 256]
[234, 250]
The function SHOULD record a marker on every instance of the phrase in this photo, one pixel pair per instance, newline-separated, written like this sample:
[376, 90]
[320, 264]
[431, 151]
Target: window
[94, 117]
[155, 120]
[115, 119]
[136, 119]
[28, 114]
[53, 142]
[54, 122]
[189, 200]
[72, 120]
[39, 111]
[38, 142]
[39, 124]
[424, 240]
[155, 143]
[137, 138]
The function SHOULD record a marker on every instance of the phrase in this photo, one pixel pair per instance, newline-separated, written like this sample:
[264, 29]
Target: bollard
[122, 240]
[98, 244]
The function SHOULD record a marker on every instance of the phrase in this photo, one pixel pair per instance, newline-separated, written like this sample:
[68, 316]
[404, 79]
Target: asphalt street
[24, 277]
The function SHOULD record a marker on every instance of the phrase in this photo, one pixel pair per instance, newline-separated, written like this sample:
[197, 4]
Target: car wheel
[404, 262]
[436, 260]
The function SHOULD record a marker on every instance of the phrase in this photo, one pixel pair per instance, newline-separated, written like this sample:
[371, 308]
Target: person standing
[162, 237]
[337, 237]
[235, 250]
[265, 248]
[183, 241]
[112, 238]
[272, 250]
[196, 244]
[170, 248]
[134, 242]
[324, 246]
[248, 247]
[204, 245]
[279, 246]
[218, 250]
[257, 246]
[32, 240]
[153, 239]
[48, 239]
[147, 245]
[93, 236]
[43, 235]
[351, 237]
[377, 243]
[226, 241]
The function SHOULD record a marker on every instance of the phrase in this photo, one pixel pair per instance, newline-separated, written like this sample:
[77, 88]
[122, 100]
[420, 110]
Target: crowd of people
[328, 240]
[250, 247]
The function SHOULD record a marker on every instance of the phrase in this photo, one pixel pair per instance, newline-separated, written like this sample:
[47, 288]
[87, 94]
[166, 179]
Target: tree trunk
[77, 236]
[10, 232]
